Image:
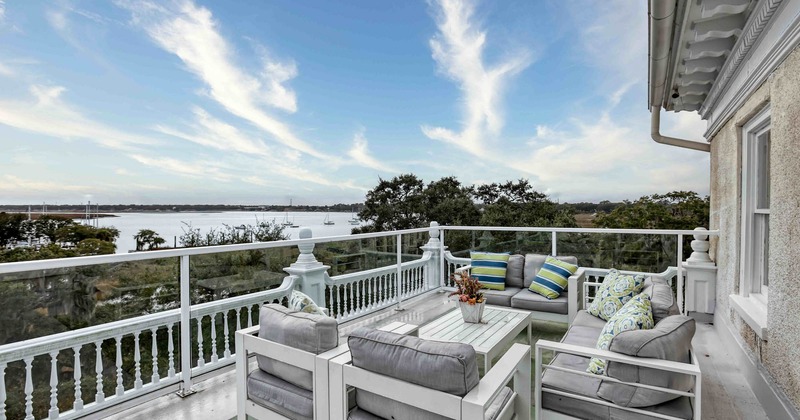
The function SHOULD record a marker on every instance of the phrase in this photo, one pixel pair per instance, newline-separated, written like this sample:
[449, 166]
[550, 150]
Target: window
[751, 303]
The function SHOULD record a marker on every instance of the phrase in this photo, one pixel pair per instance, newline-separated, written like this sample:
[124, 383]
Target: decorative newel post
[701, 276]
[434, 267]
[310, 271]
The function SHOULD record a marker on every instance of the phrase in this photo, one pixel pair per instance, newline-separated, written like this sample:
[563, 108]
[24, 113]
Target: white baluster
[379, 280]
[214, 357]
[28, 388]
[227, 353]
[371, 299]
[201, 361]
[171, 351]
[137, 358]
[2, 391]
[249, 316]
[120, 386]
[99, 396]
[77, 405]
[53, 413]
[154, 351]
[329, 304]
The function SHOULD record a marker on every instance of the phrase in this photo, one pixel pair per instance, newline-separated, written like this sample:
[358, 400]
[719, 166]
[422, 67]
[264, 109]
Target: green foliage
[46, 226]
[262, 231]
[674, 210]
[11, 228]
[518, 204]
[393, 204]
[147, 239]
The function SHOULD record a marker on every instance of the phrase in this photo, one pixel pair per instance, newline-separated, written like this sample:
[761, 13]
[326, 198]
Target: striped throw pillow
[552, 279]
[490, 269]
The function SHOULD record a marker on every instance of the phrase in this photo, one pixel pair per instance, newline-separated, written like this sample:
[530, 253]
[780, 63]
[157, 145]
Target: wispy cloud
[212, 132]
[458, 49]
[360, 153]
[191, 33]
[2, 11]
[12, 184]
[195, 169]
[63, 120]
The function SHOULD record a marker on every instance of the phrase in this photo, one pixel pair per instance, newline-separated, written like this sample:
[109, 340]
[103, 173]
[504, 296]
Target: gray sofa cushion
[531, 301]
[586, 319]
[280, 396]
[671, 339]
[446, 367]
[588, 387]
[500, 297]
[492, 412]
[661, 297]
[515, 271]
[308, 332]
[534, 263]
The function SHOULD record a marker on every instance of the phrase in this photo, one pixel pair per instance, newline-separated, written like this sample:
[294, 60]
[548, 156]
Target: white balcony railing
[197, 339]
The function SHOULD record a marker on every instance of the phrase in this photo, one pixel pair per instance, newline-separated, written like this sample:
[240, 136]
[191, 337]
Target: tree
[147, 239]
[393, 204]
[518, 204]
[448, 202]
[46, 226]
[11, 228]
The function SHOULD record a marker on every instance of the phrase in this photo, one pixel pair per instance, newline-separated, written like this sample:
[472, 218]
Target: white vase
[471, 313]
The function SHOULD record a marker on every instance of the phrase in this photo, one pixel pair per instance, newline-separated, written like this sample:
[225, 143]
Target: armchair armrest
[516, 365]
[576, 293]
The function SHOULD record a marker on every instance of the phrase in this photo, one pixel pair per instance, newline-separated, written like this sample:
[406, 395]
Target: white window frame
[751, 302]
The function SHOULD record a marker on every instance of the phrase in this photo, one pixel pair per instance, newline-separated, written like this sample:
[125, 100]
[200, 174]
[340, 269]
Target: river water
[170, 226]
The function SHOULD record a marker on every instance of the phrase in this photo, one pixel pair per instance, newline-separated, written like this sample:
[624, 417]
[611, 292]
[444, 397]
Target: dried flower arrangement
[468, 289]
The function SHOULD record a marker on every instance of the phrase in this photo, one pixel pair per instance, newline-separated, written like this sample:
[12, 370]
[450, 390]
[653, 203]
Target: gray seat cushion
[446, 367]
[531, 301]
[534, 263]
[500, 297]
[280, 396]
[661, 298]
[515, 271]
[588, 387]
[671, 339]
[308, 332]
[586, 319]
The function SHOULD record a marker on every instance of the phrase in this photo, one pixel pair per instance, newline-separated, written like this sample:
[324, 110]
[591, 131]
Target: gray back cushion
[671, 339]
[308, 332]
[514, 271]
[446, 367]
[534, 263]
[661, 297]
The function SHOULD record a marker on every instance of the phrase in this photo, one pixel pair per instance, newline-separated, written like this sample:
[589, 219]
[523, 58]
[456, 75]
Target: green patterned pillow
[617, 289]
[637, 314]
[490, 269]
[553, 278]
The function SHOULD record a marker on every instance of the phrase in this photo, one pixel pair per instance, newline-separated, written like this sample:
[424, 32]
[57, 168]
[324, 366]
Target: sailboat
[354, 220]
[286, 222]
[328, 220]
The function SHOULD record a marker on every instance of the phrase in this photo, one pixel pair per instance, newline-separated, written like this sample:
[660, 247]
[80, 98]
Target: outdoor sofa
[651, 374]
[520, 273]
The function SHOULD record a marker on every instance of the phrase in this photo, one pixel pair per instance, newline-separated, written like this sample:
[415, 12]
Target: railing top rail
[583, 230]
[15, 267]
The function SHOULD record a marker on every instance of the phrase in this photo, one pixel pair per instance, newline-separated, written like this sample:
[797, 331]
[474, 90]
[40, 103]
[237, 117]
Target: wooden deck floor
[726, 395]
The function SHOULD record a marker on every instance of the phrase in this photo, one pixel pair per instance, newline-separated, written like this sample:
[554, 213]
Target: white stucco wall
[781, 354]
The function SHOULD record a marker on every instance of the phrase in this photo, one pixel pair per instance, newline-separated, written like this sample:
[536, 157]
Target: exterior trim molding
[772, 398]
[753, 29]
[783, 27]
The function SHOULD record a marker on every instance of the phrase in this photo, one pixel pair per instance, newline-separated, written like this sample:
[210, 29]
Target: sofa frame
[514, 366]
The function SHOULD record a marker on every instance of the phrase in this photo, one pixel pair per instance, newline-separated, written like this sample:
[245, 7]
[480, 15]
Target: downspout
[662, 22]
[655, 128]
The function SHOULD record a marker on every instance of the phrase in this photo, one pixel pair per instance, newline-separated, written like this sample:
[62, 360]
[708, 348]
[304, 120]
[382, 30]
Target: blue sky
[192, 101]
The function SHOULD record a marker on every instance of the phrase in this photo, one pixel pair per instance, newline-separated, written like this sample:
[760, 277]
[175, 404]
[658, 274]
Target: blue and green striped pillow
[490, 269]
[552, 279]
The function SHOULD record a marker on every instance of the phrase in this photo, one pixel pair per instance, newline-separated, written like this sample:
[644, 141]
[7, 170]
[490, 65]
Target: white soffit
[709, 30]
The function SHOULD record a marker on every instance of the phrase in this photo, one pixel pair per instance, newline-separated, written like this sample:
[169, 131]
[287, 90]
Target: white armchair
[297, 382]
[489, 399]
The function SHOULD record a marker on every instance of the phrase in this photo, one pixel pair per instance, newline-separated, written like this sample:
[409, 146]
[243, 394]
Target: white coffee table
[498, 328]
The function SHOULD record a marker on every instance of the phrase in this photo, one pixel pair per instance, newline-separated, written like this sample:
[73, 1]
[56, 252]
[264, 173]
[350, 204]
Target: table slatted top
[495, 325]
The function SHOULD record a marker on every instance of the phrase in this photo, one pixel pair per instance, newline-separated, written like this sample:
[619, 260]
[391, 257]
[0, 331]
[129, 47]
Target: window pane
[762, 170]
[761, 250]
